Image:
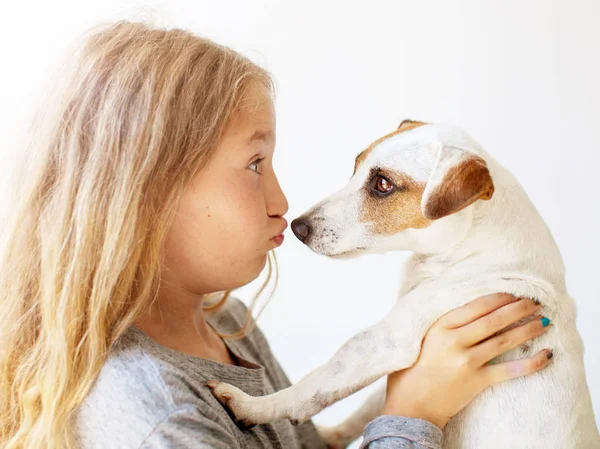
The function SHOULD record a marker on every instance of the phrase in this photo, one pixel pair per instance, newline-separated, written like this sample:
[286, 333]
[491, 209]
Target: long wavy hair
[133, 116]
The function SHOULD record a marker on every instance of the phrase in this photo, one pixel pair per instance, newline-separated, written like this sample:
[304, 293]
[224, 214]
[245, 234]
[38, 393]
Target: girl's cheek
[252, 214]
[251, 203]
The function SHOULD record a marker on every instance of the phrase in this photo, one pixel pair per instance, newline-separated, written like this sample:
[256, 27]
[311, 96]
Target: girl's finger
[495, 321]
[493, 347]
[475, 309]
[517, 368]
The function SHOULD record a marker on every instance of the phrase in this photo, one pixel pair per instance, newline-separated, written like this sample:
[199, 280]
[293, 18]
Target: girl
[149, 186]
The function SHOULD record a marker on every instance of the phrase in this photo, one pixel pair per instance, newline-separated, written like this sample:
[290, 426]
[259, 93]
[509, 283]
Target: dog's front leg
[379, 350]
[388, 346]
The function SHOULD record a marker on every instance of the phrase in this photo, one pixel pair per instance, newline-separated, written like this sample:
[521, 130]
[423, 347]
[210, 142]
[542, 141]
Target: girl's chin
[253, 271]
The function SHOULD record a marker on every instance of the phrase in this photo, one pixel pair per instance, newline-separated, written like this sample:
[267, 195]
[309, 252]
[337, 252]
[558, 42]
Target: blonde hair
[140, 111]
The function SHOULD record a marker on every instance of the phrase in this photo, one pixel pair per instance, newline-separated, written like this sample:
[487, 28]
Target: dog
[432, 190]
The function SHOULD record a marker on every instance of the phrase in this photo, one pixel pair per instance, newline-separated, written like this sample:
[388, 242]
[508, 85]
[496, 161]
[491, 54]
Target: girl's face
[232, 213]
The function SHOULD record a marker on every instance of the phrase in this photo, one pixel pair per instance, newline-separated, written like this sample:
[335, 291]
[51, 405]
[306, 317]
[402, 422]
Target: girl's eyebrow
[260, 135]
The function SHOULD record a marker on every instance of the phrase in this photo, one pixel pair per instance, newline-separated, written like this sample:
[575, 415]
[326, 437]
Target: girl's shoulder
[141, 385]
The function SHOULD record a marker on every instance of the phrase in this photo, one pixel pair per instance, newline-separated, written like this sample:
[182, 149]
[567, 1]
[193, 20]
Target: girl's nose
[278, 204]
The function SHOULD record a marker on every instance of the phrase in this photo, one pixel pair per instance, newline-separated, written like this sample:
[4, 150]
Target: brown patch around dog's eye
[396, 210]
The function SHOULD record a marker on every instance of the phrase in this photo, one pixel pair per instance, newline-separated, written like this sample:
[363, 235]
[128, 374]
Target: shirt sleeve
[188, 428]
[400, 432]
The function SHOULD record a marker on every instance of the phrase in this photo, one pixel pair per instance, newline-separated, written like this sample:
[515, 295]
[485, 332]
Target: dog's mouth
[322, 240]
[347, 254]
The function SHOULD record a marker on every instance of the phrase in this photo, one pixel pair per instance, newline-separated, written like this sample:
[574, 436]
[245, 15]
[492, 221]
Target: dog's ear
[458, 179]
[409, 124]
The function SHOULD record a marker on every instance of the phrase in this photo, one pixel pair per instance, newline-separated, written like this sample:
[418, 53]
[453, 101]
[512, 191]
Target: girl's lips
[278, 239]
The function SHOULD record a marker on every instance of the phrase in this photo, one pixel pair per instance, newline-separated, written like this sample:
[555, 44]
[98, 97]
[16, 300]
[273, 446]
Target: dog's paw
[235, 402]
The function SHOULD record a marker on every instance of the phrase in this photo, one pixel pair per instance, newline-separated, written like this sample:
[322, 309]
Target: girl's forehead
[257, 115]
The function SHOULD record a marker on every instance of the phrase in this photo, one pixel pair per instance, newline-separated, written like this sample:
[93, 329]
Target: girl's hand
[452, 367]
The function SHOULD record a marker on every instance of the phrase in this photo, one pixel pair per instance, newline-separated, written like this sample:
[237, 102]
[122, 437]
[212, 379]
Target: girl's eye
[255, 166]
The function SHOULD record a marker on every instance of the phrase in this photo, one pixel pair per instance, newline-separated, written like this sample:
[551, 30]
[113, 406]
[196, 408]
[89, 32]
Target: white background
[522, 77]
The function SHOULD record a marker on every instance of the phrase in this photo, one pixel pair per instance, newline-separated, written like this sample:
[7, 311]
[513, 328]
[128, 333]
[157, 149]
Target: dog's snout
[301, 229]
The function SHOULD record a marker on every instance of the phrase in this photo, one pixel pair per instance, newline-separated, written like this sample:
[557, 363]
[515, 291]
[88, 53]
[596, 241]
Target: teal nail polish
[545, 321]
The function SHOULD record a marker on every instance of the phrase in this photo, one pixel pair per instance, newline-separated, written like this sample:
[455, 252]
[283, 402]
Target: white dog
[417, 189]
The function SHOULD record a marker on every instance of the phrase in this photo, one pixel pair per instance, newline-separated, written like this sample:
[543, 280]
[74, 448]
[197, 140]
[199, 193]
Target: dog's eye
[382, 185]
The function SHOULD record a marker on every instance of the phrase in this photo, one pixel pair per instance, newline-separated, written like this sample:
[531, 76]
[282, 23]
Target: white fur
[501, 245]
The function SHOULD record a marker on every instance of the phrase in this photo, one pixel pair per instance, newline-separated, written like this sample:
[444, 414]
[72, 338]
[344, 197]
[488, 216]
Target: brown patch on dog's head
[399, 210]
[461, 186]
[406, 125]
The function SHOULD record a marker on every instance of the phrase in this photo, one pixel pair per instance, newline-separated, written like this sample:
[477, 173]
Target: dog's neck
[505, 234]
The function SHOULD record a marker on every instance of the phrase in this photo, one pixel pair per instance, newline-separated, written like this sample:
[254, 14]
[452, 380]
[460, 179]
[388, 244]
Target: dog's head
[403, 185]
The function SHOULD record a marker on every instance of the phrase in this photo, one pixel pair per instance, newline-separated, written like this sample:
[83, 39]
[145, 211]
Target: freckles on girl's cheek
[241, 199]
[245, 195]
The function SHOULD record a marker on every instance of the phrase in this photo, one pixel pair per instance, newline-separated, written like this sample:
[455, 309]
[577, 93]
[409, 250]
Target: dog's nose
[301, 229]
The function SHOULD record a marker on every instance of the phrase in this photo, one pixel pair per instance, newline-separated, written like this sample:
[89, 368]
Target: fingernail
[545, 321]
[549, 354]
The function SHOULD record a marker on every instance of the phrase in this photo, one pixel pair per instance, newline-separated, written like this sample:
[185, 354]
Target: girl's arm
[400, 432]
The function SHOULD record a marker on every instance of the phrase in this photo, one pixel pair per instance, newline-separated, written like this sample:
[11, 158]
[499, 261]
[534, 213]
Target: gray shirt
[148, 396]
